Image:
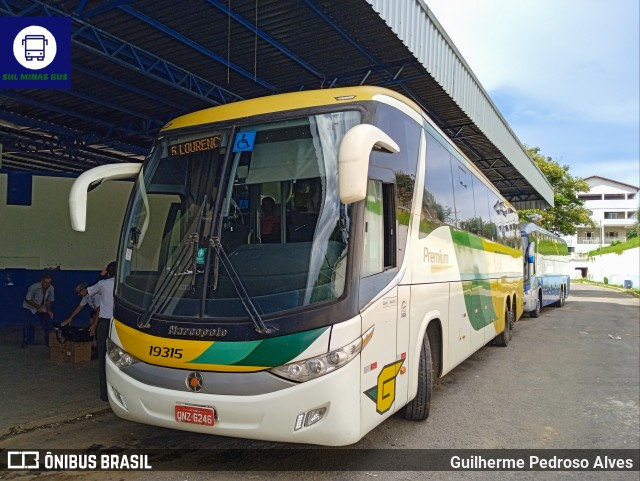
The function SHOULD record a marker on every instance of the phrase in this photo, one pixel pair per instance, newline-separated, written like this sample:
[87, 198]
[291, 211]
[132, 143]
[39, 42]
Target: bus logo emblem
[34, 43]
[384, 393]
[194, 381]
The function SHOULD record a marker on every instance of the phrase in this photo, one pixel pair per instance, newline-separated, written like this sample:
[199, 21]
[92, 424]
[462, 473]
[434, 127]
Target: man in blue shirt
[37, 307]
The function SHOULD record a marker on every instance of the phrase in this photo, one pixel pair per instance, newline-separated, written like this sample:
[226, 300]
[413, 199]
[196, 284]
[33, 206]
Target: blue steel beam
[17, 161]
[56, 151]
[96, 41]
[80, 7]
[62, 159]
[75, 136]
[130, 129]
[393, 78]
[159, 123]
[382, 68]
[104, 8]
[66, 149]
[130, 88]
[196, 46]
[117, 51]
[376, 62]
[48, 152]
[123, 5]
[267, 38]
[320, 13]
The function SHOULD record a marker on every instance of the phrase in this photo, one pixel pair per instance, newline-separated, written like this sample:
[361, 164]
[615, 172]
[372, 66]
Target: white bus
[302, 266]
[546, 269]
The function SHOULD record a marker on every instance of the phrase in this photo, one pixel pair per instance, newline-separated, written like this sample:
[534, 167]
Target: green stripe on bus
[268, 352]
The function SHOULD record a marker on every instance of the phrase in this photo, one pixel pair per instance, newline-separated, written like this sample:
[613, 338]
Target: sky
[563, 73]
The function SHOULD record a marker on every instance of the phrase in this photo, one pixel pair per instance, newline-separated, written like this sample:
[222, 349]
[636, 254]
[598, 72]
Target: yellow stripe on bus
[174, 353]
[281, 103]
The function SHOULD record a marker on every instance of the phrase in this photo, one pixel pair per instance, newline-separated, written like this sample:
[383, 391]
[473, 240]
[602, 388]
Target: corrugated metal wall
[419, 30]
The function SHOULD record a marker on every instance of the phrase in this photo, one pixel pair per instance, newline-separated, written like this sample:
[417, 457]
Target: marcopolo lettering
[197, 331]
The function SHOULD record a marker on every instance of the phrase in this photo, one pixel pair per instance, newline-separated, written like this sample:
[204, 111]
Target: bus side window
[437, 199]
[373, 253]
[465, 203]
[379, 251]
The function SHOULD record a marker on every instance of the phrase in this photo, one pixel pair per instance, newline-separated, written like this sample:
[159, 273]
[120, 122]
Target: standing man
[92, 301]
[105, 289]
[37, 306]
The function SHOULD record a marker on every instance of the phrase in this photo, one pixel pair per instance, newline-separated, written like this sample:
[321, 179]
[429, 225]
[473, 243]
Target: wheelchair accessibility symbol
[244, 141]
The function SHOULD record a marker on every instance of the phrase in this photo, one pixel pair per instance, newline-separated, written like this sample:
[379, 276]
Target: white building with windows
[613, 206]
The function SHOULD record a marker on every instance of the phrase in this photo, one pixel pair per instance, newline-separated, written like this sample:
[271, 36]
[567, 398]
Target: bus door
[380, 307]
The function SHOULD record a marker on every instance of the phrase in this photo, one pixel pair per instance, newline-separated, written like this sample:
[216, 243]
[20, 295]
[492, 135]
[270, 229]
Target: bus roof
[284, 102]
[529, 227]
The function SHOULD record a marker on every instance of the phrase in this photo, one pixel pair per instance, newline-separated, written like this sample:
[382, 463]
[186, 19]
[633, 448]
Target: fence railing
[596, 240]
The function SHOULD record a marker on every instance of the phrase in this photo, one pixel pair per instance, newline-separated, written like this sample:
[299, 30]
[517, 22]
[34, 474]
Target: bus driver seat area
[302, 210]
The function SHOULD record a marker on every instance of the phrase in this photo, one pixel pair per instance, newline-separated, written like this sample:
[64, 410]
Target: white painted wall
[617, 268]
[39, 236]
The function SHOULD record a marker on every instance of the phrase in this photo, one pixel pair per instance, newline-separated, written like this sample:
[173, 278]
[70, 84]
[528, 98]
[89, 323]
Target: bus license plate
[194, 415]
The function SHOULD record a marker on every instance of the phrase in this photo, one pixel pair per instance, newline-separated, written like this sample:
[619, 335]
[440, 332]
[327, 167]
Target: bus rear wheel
[504, 337]
[562, 299]
[418, 408]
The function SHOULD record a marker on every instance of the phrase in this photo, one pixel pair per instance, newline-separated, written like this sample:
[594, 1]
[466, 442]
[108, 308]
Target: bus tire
[504, 337]
[513, 313]
[562, 299]
[536, 311]
[418, 408]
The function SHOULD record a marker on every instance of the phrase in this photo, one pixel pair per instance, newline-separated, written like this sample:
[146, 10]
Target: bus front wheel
[536, 311]
[418, 408]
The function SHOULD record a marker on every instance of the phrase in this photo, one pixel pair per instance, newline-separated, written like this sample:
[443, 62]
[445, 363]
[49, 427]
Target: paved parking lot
[36, 391]
[569, 380]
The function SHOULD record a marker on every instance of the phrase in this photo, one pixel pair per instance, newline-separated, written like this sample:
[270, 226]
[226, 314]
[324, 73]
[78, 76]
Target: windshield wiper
[244, 297]
[168, 284]
[178, 268]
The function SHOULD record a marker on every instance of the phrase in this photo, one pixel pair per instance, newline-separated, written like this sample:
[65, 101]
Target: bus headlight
[119, 356]
[314, 367]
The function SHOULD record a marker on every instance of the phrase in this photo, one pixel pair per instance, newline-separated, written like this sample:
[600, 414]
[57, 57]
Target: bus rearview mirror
[90, 180]
[353, 159]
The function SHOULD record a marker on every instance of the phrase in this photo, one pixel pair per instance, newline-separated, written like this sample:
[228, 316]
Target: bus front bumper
[271, 416]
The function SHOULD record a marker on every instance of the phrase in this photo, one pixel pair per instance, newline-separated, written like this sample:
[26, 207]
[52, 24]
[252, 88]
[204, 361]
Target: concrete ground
[36, 391]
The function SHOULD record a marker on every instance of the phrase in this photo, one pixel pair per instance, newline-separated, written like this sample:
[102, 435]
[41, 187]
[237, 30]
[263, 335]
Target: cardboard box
[68, 351]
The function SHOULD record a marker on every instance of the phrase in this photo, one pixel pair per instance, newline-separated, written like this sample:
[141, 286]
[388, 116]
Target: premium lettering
[435, 257]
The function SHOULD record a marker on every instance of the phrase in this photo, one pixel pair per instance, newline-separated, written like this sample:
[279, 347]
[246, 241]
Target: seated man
[269, 221]
[36, 307]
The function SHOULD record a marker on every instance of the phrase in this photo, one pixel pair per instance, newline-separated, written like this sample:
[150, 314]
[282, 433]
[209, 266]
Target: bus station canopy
[138, 64]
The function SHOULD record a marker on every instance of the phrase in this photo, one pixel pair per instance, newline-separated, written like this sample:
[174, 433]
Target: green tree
[568, 211]
[635, 230]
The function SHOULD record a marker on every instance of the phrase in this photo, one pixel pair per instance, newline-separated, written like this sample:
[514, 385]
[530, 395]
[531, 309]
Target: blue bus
[546, 269]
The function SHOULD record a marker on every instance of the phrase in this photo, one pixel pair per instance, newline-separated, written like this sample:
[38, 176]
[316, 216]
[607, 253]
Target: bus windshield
[257, 206]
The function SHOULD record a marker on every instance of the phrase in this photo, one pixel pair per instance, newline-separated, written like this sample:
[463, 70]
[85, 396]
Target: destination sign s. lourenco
[195, 146]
